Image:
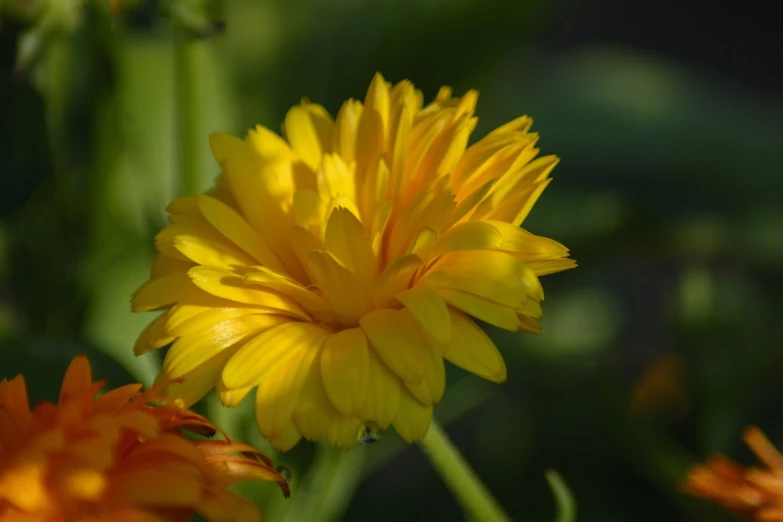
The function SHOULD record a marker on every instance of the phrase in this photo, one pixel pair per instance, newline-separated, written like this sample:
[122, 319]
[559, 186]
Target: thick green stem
[460, 478]
[328, 486]
[190, 109]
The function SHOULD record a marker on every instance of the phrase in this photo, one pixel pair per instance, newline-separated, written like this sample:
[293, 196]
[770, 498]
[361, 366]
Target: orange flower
[756, 494]
[118, 457]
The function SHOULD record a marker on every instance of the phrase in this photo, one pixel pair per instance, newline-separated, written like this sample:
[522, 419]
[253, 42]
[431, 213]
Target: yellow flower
[756, 494]
[337, 268]
[117, 457]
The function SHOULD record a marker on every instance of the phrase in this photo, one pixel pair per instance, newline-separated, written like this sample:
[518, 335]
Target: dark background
[657, 351]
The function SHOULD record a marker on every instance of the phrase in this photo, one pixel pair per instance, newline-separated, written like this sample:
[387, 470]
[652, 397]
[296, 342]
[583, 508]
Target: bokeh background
[657, 350]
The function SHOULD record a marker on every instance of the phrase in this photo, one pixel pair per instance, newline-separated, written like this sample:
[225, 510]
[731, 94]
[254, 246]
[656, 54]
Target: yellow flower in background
[117, 457]
[753, 493]
[335, 269]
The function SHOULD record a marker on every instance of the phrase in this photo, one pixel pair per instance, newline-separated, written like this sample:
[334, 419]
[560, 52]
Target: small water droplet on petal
[369, 433]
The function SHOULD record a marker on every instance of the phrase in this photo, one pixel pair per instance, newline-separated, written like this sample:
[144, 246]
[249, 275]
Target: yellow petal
[204, 250]
[310, 211]
[196, 384]
[377, 101]
[403, 97]
[192, 320]
[520, 124]
[469, 235]
[223, 146]
[532, 309]
[153, 336]
[484, 309]
[527, 246]
[513, 209]
[307, 130]
[263, 191]
[432, 208]
[372, 196]
[551, 266]
[344, 138]
[262, 354]
[225, 284]
[315, 417]
[304, 177]
[490, 274]
[340, 201]
[181, 313]
[268, 145]
[383, 393]
[397, 338]
[229, 223]
[371, 132]
[508, 161]
[289, 288]
[162, 292]
[527, 324]
[423, 241]
[430, 390]
[304, 242]
[471, 349]
[345, 368]
[347, 241]
[413, 418]
[287, 438]
[230, 397]
[333, 279]
[444, 151]
[487, 274]
[378, 227]
[279, 390]
[394, 279]
[336, 178]
[402, 137]
[343, 432]
[515, 181]
[200, 345]
[429, 308]
[465, 208]
[164, 241]
[164, 265]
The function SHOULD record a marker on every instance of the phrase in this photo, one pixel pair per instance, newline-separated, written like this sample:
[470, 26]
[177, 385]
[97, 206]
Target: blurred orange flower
[755, 493]
[118, 457]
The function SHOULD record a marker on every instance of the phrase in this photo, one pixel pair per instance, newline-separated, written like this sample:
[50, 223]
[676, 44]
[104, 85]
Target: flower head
[116, 457]
[754, 493]
[336, 268]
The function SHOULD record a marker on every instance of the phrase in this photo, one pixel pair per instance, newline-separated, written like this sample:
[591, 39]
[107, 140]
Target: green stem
[328, 486]
[476, 500]
[191, 121]
[566, 506]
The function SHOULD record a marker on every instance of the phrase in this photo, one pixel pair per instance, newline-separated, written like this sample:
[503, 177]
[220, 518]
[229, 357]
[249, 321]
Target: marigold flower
[337, 268]
[117, 457]
[756, 494]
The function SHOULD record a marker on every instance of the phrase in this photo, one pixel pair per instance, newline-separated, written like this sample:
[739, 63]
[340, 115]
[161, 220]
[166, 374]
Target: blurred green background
[657, 350]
